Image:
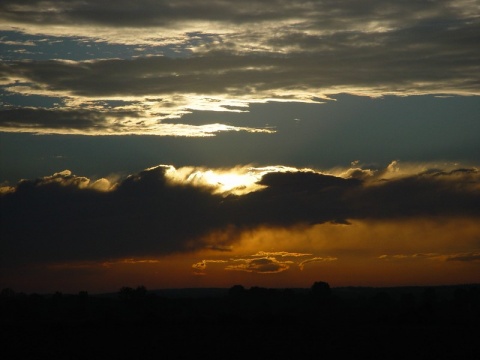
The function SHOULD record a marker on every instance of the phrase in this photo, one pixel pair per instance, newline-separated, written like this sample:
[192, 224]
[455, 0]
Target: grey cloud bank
[147, 13]
[231, 55]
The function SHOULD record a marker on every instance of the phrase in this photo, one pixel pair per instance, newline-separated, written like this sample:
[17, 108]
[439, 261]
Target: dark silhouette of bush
[236, 291]
[320, 289]
[321, 293]
[7, 293]
[129, 294]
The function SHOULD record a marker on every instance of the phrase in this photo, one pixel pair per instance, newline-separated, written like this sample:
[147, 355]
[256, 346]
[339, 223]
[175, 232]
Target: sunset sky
[264, 143]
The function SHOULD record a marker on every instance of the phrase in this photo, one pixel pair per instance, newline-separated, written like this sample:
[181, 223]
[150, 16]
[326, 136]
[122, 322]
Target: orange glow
[365, 253]
[407, 252]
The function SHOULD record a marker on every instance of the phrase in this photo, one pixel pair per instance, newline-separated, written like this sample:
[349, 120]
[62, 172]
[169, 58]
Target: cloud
[473, 256]
[467, 257]
[223, 56]
[430, 193]
[263, 262]
[104, 122]
[315, 259]
[262, 265]
[61, 120]
[131, 261]
[201, 266]
[306, 14]
[65, 217]
[416, 256]
[279, 253]
[69, 220]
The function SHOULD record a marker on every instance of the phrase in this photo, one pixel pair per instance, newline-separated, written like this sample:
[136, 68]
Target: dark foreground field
[235, 323]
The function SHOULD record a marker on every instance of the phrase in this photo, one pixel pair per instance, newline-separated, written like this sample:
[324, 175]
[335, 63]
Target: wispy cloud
[467, 257]
[261, 265]
[200, 267]
[473, 256]
[316, 259]
[279, 253]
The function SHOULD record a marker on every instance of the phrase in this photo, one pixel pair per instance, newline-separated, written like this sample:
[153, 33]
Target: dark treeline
[386, 323]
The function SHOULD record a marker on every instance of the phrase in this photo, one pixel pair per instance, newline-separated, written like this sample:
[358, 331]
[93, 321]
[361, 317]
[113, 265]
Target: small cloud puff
[263, 265]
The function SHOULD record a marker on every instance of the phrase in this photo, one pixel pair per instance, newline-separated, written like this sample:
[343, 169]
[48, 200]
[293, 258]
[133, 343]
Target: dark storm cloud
[385, 67]
[142, 76]
[65, 217]
[162, 12]
[67, 221]
[55, 119]
[431, 193]
[140, 13]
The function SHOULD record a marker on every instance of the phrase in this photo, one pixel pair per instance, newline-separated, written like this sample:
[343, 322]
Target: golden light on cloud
[238, 180]
[261, 265]
[228, 181]
[316, 259]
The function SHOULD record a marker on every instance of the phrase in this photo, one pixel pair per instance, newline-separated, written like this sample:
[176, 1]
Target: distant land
[412, 322]
[342, 291]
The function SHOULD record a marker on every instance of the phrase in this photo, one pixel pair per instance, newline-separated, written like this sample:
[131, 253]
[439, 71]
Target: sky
[213, 143]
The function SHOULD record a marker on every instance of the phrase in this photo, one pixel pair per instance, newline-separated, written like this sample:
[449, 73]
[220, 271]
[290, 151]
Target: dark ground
[235, 323]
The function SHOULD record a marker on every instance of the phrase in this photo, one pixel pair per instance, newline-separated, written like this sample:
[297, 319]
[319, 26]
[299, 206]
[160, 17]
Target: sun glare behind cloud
[239, 180]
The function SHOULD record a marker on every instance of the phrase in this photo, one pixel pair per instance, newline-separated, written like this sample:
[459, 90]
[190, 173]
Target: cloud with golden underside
[148, 214]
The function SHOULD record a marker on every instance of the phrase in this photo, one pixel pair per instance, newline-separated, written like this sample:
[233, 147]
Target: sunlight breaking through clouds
[238, 180]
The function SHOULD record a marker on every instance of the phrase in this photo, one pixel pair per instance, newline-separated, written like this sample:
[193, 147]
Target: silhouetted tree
[140, 292]
[7, 293]
[320, 290]
[125, 293]
[129, 294]
[236, 291]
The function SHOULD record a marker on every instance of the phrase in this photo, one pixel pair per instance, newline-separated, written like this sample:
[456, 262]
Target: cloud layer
[64, 217]
[229, 55]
